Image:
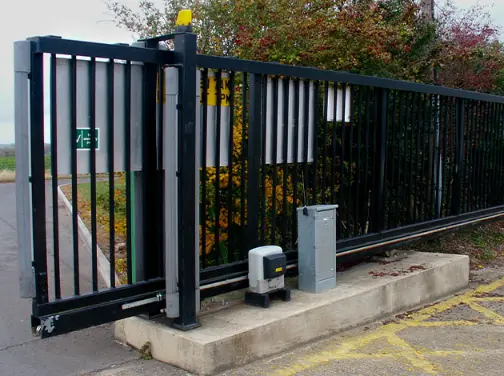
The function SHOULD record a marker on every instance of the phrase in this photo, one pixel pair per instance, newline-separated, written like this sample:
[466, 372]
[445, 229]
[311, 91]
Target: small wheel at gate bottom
[267, 267]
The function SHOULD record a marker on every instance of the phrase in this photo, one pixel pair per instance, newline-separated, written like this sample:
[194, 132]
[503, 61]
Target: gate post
[185, 48]
[22, 69]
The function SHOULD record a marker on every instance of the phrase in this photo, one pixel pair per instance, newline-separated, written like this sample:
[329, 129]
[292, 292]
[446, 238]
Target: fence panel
[396, 157]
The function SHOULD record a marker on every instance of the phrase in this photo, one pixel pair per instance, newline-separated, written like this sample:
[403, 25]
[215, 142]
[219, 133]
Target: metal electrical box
[317, 248]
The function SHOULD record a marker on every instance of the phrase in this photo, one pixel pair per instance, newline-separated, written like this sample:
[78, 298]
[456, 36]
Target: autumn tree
[470, 54]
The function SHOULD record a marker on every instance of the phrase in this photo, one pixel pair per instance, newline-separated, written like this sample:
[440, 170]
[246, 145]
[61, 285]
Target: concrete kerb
[103, 262]
[243, 334]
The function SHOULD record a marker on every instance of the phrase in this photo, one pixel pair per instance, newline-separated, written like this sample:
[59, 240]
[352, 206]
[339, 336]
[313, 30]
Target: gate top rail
[56, 45]
[268, 68]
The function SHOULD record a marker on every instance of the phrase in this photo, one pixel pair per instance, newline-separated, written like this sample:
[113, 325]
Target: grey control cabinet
[317, 248]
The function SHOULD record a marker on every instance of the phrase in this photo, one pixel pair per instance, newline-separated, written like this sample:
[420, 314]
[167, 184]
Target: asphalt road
[83, 352]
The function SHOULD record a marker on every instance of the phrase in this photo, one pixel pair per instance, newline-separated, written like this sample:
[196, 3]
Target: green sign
[84, 139]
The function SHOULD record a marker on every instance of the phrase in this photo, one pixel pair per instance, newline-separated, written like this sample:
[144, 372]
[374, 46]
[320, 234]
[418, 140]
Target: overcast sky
[78, 19]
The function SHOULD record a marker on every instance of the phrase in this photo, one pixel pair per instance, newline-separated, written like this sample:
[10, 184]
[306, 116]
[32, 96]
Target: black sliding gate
[402, 160]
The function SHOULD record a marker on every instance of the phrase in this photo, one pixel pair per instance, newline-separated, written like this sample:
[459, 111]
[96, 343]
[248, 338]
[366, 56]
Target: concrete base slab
[242, 334]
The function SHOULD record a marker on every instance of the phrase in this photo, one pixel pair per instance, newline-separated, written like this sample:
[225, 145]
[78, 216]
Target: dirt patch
[484, 245]
[396, 273]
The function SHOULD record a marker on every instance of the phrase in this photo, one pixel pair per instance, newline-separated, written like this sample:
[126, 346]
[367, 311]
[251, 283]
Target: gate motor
[267, 266]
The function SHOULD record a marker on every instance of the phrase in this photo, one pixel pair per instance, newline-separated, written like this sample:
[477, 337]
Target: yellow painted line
[415, 357]
[490, 299]
[434, 324]
[496, 318]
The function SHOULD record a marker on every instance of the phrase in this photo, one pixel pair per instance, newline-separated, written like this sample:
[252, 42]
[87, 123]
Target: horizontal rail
[257, 67]
[84, 317]
[116, 294]
[52, 45]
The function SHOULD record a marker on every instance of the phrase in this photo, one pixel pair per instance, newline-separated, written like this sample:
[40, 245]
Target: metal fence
[142, 163]
[402, 160]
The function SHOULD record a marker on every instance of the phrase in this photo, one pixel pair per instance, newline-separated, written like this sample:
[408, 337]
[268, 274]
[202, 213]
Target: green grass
[9, 163]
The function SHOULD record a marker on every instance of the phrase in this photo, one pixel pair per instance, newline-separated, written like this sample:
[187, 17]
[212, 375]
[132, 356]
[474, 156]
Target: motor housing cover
[267, 267]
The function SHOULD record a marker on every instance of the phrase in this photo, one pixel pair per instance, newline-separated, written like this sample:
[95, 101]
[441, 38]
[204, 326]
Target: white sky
[83, 20]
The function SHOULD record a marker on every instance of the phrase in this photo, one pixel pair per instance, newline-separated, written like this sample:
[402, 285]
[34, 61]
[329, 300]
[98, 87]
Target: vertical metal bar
[316, 86]
[490, 186]
[343, 208]
[305, 139]
[350, 216]
[367, 156]
[381, 125]
[92, 169]
[393, 146]
[334, 143]
[152, 208]
[467, 140]
[481, 161]
[244, 153]
[254, 159]
[128, 174]
[295, 121]
[217, 208]
[446, 177]
[264, 171]
[185, 55]
[54, 175]
[450, 175]
[399, 184]
[418, 176]
[499, 154]
[231, 252]
[357, 204]
[470, 156]
[411, 209]
[430, 156]
[437, 156]
[204, 136]
[459, 157]
[160, 172]
[422, 179]
[405, 198]
[274, 144]
[286, 142]
[38, 178]
[494, 146]
[73, 158]
[324, 142]
[111, 168]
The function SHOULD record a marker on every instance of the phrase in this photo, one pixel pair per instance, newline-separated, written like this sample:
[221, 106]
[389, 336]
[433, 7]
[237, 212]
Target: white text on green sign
[84, 139]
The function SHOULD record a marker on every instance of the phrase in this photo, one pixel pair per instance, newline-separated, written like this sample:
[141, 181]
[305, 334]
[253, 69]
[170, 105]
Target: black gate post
[185, 58]
[379, 196]
[459, 157]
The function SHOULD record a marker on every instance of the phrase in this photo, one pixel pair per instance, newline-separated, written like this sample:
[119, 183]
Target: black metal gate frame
[147, 297]
[59, 316]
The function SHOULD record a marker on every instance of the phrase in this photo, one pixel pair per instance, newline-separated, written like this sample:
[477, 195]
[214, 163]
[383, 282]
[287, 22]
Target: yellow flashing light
[184, 18]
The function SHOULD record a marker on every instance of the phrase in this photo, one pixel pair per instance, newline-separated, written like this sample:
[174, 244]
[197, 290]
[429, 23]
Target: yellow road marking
[415, 357]
[496, 318]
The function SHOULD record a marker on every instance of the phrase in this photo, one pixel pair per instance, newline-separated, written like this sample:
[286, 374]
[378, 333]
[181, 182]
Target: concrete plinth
[242, 334]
